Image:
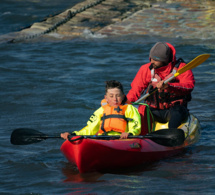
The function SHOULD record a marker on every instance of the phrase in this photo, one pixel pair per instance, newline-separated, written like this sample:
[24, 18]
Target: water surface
[55, 86]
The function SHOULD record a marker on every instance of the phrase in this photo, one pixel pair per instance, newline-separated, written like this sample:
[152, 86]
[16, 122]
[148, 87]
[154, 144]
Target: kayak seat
[159, 125]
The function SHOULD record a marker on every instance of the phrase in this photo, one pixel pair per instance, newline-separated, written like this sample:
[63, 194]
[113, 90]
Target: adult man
[169, 102]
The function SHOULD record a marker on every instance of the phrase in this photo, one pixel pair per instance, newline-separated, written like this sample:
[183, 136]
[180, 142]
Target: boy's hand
[65, 135]
[124, 135]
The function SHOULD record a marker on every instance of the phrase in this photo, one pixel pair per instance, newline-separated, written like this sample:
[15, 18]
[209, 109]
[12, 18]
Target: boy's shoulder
[131, 106]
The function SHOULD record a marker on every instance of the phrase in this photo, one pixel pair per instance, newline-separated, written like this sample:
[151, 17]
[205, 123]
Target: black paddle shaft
[165, 137]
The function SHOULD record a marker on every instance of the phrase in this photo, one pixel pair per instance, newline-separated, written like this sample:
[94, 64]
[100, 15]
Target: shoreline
[192, 19]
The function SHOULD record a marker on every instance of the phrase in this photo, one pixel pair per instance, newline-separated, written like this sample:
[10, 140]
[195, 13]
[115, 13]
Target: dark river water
[55, 86]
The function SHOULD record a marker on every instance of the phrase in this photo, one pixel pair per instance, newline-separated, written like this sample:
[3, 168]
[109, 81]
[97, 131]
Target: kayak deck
[104, 155]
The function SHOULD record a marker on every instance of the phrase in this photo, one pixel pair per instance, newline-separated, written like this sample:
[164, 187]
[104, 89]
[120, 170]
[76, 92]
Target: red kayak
[106, 155]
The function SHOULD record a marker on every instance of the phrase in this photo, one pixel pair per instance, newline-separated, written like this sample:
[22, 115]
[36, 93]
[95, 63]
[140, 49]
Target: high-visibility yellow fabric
[93, 124]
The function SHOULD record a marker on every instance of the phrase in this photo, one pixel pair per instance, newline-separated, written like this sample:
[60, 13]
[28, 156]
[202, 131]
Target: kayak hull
[107, 155]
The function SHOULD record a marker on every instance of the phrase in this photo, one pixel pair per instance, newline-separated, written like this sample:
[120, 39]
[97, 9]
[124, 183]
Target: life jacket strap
[104, 117]
[115, 116]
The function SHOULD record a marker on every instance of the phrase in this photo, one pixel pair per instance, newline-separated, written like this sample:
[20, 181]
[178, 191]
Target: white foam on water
[89, 34]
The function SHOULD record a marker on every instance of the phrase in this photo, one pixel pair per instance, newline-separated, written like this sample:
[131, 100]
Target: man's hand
[161, 86]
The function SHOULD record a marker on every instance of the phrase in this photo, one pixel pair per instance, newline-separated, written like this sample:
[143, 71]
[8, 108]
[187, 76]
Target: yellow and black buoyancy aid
[113, 118]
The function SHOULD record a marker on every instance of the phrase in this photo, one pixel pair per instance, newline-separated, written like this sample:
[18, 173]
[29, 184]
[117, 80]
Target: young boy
[114, 117]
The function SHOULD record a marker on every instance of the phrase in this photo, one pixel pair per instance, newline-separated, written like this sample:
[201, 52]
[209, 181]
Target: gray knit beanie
[160, 52]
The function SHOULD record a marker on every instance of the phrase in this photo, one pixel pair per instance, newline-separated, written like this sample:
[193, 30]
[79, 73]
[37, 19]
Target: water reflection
[72, 174]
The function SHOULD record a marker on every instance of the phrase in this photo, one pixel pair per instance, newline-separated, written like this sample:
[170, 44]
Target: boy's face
[114, 97]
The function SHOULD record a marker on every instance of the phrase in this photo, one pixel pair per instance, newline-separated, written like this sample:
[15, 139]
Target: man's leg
[176, 115]
[160, 115]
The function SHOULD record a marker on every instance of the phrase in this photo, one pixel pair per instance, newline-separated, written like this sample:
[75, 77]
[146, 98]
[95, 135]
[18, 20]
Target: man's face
[156, 64]
[114, 97]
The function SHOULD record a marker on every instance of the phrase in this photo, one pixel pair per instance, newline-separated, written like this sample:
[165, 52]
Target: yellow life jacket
[113, 118]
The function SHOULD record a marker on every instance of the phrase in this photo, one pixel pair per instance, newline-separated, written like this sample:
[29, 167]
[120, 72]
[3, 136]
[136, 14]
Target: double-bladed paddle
[194, 63]
[167, 137]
